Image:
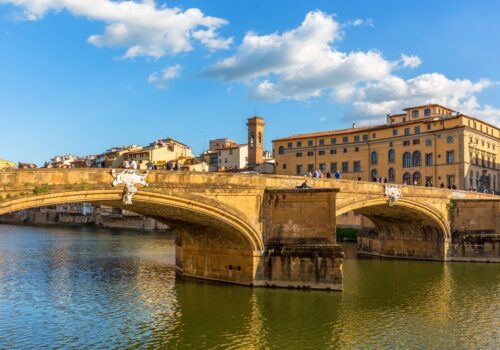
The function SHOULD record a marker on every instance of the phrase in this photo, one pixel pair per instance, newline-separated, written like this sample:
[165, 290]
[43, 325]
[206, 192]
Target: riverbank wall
[118, 221]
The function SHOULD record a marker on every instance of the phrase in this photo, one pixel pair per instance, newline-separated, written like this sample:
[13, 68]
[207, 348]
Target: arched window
[281, 150]
[392, 156]
[477, 178]
[407, 178]
[406, 160]
[417, 158]
[417, 179]
[374, 175]
[449, 139]
[374, 157]
[392, 175]
[260, 138]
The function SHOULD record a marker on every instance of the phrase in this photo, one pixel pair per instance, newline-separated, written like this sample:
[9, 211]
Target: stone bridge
[258, 230]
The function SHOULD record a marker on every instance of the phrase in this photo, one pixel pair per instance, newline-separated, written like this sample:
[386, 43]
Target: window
[284, 166]
[322, 167]
[310, 143]
[394, 132]
[428, 159]
[417, 179]
[333, 151]
[345, 167]
[289, 145]
[357, 166]
[333, 141]
[417, 158]
[417, 129]
[392, 175]
[427, 112]
[230, 152]
[406, 143]
[406, 160]
[298, 154]
[374, 175]
[414, 114]
[416, 141]
[374, 136]
[345, 150]
[449, 139]
[299, 144]
[345, 139]
[391, 156]
[429, 126]
[321, 152]
[407, 131]
[356, 138]
[299, 170]
[428, 143]
[281, 150]
[391, 143]
[310, 167]
[225, 160]
[333, 167]
[356, 149]
[321, 142]
[365, 137]
[310, 153]
[374, 157]
[450, 157]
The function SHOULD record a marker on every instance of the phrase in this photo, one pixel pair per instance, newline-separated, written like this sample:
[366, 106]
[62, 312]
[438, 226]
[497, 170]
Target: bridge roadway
[260, 230]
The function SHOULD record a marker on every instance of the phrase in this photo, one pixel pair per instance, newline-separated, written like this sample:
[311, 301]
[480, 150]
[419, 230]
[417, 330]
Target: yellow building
[426, 145]
[159, 153]
[5, 164]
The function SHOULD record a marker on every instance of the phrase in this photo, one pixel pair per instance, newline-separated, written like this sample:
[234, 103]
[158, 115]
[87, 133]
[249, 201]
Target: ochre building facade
[426, 145]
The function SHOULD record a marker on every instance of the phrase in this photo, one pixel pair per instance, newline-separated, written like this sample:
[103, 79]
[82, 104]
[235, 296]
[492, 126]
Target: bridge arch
[211, 241]
[406, 229]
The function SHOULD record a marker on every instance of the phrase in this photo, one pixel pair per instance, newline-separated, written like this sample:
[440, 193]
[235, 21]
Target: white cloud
[359, 22]
[159, 79]
[303, 63]
[410, 61]
[322, 119]
[300, 63]
[142, 27]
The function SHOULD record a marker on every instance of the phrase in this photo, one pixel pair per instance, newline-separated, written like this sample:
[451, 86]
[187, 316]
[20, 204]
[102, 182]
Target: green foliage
[451, 205]
[41, 189]
[347, 234]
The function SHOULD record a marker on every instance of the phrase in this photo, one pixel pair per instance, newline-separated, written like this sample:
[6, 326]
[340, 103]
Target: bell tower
[255, 127]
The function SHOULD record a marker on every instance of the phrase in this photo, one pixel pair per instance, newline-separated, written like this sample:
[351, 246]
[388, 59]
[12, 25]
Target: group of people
[169, 166]
[319, 174]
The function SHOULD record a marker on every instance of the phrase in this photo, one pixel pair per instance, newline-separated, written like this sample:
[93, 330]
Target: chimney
[354, 125]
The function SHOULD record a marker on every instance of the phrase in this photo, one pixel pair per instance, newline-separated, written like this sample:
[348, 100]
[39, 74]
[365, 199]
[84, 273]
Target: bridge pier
[300, 252]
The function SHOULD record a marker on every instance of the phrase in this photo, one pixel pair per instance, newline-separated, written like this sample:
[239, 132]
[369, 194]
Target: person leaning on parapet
[133, 165]
[126, 164]
[338, 176]
[304, 185]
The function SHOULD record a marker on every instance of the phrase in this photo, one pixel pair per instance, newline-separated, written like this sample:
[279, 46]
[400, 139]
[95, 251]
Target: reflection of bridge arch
[172, 209]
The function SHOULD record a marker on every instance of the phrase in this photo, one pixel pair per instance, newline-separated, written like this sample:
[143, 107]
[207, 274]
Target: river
[76, 287]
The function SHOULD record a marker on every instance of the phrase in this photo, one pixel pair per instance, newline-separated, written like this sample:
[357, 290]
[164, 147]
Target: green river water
[81, 288]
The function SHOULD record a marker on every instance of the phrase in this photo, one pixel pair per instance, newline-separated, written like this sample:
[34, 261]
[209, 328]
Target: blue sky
[82, 76]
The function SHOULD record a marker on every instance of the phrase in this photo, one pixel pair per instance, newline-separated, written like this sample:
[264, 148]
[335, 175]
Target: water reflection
[81, 288]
